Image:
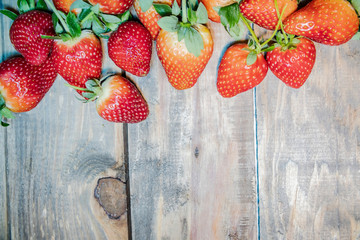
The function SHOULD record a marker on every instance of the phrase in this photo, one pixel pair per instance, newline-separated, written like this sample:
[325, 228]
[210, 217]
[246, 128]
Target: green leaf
[268, 49]
[31, 4]
[356, 5]
[41, 5]
[91, 85]
[88, 95]
[98, 28]
[124, 16]
[169, 23]
[182, 33]
[175, 10]
[145, 4]
[251, 58]
[201, 14]
[4, 124]
[65, 37]
[84, 14]
[96, 9]
[112, 26]
[74, 26]
[234, 31]
[230, 15]
[110, 18]
[193, 4]
[162, 9]
[57, 25]
[62, 14]
[356, 36]
[23, 6]
[192, 16]
[194, 42]
[9, 14]
[79, 4]
[7, 113]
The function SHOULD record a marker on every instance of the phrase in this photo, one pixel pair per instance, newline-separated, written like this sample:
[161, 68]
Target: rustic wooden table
[270, 163]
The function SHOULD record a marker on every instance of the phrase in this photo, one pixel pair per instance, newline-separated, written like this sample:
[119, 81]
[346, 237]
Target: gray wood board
[53, 157]
[192, 164]
[309, 150]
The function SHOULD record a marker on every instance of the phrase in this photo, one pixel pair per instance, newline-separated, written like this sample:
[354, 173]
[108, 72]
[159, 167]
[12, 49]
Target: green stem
[77, 88]
[250, 30]
[183, 11]
[53, 8]
[280, 21]
[277, 26]
[87, 17]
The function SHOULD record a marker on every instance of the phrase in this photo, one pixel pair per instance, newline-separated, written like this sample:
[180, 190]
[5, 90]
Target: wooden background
[270, 163]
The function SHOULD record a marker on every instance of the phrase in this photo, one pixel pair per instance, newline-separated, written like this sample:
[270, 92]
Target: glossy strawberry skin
[121, 101]
[263, 12]
[130, 48]
[63, 5]
[23, 85]
[25, 35]
[78, 60]
[330, 22]
[182, 68]
[293, 66]
[235, 76]
[113, 6]
[210, 4]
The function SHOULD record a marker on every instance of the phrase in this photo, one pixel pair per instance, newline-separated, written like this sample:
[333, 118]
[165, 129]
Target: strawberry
[130, 47]
[292, 62]
[63, 5]
[263, 12]
[79, 59]
[27, 29]
[22, 85]
[330, 22]
[150, 16]
[211, 5]
[234, 75]
[117, 99]
[184, 48]
[113, 6]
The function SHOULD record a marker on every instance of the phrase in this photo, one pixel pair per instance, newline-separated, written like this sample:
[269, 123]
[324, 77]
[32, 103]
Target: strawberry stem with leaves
[5, 113]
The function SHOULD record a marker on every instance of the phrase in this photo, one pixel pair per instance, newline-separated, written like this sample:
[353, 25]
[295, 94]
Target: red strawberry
[182, 67]
[117, 99]
[79, 59]
[263, 12]
[113, 6]
[63, 5]
[235, 76]
[22, 85]
[211, 4]
[293, 63]
[130, 47]
[330, 22]
[25, 35]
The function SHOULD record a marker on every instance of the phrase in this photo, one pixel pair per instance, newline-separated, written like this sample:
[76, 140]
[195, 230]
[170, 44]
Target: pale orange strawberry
[182, 67]
[63, 5]
[113, 6]
[150, 17]
[211, 4]
[263, 12]
[330, 22]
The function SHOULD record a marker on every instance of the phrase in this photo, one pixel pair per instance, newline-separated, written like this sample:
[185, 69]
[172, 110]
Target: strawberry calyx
[230, 19]
[25, 6]
[92, 91]
[182, 20]
[5, 113]
[100, 23]
[286, 41]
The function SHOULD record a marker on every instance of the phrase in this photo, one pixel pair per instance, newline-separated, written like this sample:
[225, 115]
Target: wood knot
[111, 195]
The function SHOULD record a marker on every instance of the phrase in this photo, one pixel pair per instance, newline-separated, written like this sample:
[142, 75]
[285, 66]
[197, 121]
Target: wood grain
[191, 163]
[54, 156]
[309, 151]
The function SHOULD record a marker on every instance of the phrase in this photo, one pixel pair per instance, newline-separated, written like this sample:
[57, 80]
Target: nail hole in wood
[111, 195]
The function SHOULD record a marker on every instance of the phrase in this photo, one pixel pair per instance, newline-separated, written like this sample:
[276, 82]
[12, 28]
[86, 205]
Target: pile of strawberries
[66, 41]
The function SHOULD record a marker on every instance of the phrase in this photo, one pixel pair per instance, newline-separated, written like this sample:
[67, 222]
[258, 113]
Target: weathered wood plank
[191, 163]
[55, 155]
[309, 151]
